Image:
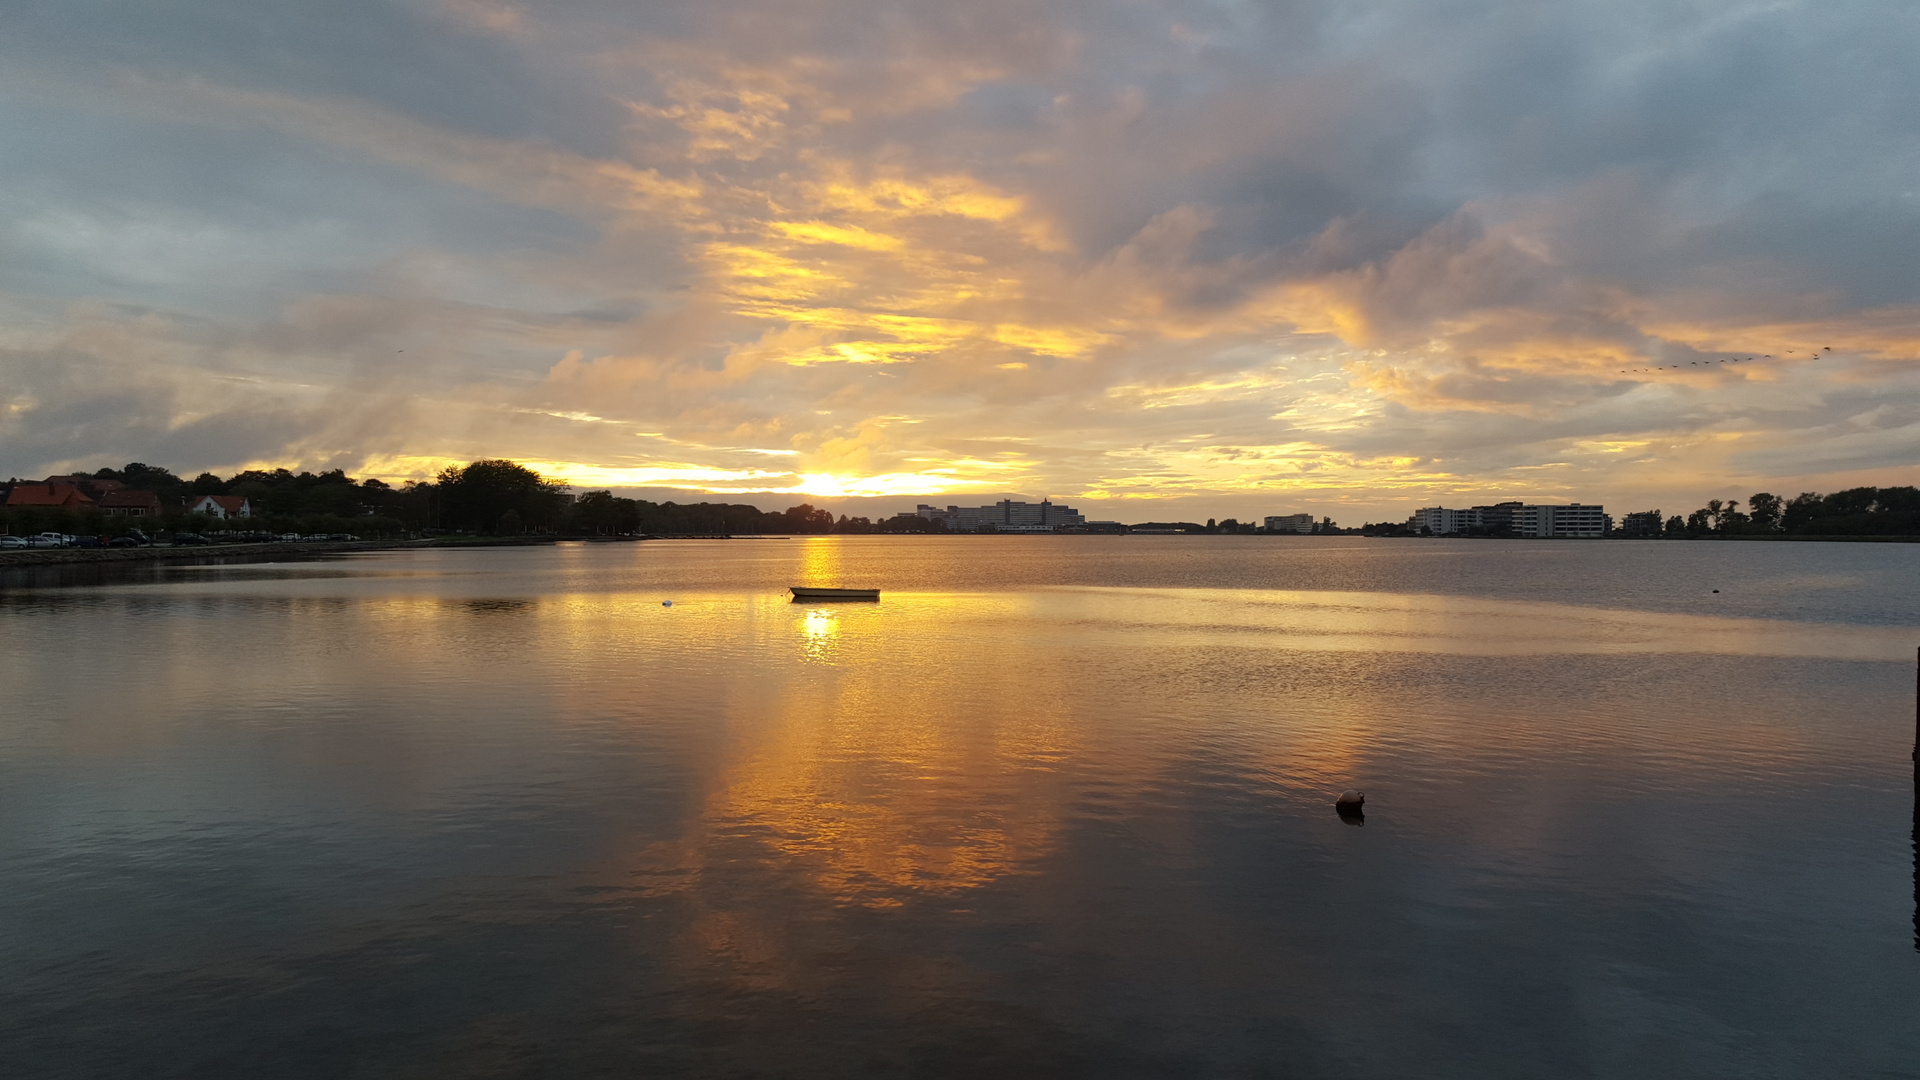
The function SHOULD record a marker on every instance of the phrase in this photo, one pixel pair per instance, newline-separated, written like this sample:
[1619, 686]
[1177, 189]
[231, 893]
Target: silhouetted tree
[479, 496]
[805, 519]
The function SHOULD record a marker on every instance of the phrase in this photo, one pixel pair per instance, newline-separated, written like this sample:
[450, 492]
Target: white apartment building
[1574, 521]
[1294, 523]
[1441, 521]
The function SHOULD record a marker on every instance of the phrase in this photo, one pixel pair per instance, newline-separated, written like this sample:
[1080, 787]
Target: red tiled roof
[47, 495]
[229, 503]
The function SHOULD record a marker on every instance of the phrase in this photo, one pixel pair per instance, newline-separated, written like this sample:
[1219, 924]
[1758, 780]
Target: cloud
[1239, 254]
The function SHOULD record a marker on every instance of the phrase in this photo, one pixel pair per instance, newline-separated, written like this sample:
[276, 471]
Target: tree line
[496, 497]
[492, 497]
[1861, 511]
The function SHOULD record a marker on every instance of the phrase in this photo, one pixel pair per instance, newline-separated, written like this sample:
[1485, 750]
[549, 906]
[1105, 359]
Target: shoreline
[75, 556]
[71, 556]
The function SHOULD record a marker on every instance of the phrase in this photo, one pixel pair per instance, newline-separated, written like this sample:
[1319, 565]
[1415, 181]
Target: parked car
[86, 542]
[123, 541]
[54, 539]
[189, 539]
[13, 542]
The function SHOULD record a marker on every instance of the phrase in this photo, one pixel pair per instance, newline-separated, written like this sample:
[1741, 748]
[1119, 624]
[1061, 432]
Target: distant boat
[801, 592]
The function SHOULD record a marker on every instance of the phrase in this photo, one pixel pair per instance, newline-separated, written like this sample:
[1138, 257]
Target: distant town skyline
[880, 507]
[1193, 260]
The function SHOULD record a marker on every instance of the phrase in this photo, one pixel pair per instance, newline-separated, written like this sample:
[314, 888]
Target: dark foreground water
[1054, 807]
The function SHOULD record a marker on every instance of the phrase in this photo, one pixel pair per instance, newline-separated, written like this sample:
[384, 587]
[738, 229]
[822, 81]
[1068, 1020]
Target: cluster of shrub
[1862, 511]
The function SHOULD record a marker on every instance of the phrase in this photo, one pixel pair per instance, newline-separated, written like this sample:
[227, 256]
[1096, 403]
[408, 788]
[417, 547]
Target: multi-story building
[1440, 521]
[1645, 524]
[1007, 515]
[1497, 519]
[1293, 523]
[1574, 521]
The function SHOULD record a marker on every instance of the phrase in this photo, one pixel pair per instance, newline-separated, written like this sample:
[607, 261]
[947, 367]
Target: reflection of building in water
[1005, 516]
[1572, 521]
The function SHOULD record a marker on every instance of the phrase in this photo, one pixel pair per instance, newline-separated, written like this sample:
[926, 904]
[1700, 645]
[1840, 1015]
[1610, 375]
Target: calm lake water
[1056, 806]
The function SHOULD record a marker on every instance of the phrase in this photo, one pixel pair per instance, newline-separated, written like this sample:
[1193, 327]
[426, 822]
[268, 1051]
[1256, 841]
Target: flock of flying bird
[1709, 363]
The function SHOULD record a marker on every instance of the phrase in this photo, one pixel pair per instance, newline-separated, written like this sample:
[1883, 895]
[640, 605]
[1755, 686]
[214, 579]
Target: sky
[1160, 261]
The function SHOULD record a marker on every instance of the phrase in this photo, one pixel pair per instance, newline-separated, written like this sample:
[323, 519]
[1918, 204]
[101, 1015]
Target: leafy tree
[1764, 510]
[805, 519]
[1862, 511]
[143, 477]
[479, 496]
[602, 513]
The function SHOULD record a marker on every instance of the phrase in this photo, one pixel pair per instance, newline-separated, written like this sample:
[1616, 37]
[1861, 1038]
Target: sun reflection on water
[820, 631]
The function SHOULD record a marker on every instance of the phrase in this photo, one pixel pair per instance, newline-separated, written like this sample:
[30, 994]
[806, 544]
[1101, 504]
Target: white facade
[1575, 521]
[221, 506]
[1294, 523]
[1441, 521]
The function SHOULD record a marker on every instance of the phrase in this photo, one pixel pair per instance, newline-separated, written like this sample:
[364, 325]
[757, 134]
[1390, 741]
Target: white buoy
[666, 603]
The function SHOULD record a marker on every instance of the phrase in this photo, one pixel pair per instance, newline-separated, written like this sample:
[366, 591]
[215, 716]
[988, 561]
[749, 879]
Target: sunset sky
[1159, 260]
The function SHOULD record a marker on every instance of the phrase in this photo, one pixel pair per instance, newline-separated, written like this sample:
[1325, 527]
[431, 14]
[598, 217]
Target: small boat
[802, 592]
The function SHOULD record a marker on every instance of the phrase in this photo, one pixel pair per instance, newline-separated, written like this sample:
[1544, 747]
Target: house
[125, 502]
[220, 506]
[51, 496]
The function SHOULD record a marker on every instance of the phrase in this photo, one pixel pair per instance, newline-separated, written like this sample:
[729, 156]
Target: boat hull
[802, 593]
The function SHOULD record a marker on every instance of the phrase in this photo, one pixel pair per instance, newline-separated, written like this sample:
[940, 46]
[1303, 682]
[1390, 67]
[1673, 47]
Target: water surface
[1054, 807]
